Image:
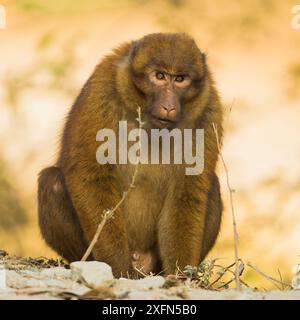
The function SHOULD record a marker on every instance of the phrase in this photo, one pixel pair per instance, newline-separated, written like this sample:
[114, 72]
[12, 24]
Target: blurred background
[50, 48]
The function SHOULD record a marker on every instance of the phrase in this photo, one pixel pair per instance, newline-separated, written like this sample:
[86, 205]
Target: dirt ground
[27, 278]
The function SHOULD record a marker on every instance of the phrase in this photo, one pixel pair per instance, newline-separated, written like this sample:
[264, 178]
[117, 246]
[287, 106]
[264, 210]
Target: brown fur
[175, 216]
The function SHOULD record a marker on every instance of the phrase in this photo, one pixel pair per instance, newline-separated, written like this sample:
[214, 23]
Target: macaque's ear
[133, 50]
[203, 57]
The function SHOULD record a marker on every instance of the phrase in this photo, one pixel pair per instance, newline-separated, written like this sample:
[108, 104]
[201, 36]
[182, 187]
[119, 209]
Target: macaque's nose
[168, 112]
[166, 106]
[168, 109]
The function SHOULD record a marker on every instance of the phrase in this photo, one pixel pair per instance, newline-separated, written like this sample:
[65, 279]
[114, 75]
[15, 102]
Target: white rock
[57, 272]
[2, 278]
[296, 281]
[15, 280]
[93, 273]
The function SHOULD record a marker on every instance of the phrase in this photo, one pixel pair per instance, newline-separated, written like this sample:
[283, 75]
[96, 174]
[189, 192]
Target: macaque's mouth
[162, 122]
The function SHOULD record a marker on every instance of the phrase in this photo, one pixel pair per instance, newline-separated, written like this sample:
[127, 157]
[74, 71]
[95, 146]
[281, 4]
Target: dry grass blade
[236, 255]
[109, 213]
[280, 276]
[141, 272]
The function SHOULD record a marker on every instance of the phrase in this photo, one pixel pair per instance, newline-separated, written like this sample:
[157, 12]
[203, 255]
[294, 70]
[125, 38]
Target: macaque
[170, 218]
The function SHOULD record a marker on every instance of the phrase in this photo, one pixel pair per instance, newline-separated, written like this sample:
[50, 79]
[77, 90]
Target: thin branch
[222, 273]
[235, 233]
[226, 284]
[109, 213]
[267, 276]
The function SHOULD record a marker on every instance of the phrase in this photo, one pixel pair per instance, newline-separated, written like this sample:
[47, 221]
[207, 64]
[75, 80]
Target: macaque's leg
[91, 197]
[58, 220]
[213, 217]
[189, 223]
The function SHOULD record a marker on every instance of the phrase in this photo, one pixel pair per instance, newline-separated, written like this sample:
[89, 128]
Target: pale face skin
[160, 78]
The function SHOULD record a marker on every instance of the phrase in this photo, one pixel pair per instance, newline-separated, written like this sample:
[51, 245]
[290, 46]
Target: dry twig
[224, 270]
[236, 255]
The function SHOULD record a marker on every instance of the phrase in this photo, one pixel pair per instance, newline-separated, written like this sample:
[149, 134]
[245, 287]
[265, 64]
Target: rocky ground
[26, 278]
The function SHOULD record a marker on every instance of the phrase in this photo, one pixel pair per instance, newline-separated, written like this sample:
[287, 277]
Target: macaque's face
[169, 74]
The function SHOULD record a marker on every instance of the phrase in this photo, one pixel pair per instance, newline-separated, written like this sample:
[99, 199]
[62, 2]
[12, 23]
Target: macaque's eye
[179, 78]
[182, 81]
[160, 76]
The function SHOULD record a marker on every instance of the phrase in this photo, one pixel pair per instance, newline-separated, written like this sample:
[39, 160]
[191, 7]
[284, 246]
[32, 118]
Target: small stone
[93, 273]
[3, 253]
[150, 282]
